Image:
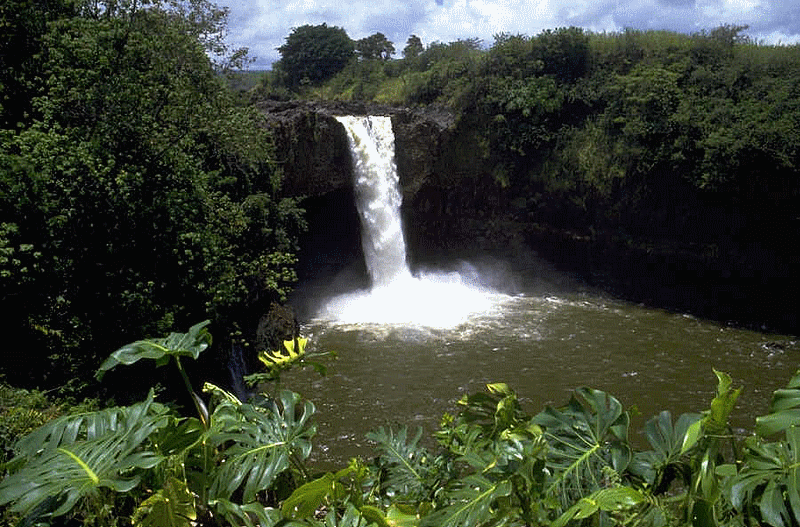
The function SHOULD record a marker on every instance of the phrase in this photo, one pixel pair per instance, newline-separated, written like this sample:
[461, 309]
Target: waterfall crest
[396, 297]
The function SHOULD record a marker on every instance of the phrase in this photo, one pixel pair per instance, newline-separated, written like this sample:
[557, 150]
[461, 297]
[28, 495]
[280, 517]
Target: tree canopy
[375, 47]
[413, 47]
[134, 193]
[312, 54]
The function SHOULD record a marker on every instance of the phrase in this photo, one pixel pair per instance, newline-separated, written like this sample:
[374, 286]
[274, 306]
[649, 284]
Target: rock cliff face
[453, 208]
[313, 149]
[312, 146]
[449, 197]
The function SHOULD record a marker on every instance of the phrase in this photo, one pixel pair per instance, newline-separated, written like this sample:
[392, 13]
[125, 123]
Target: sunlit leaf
[170, 506]
[784, 409]
[692, 436]
[402, 460]
[220, 392]
[770, 477]
[189, 344]
[258, 443]
[661, 465]
[397, 516]
[305, 500]
[249, 515]
[74, 458]
[473, 503]
[585, 437]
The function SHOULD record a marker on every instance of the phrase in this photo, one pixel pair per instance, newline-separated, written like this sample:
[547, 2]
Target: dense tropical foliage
[595, 114]
[244, 462]
[135, 193]
[606, 119]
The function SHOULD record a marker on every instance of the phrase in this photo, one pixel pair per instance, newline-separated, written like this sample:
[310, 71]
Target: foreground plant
[215, 468]
[767, 487]
[576, 465]
[243, 463]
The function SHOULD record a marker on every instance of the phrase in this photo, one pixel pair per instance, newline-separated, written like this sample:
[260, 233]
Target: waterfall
[396, 297]
[378, 197]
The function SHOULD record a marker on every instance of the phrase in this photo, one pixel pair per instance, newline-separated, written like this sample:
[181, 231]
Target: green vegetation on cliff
[652, 145]
[601, 117]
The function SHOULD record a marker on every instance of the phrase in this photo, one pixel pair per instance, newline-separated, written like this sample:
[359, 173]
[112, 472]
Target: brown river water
[543, 347]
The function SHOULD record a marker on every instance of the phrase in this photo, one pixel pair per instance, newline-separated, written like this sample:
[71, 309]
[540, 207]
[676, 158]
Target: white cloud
[777, 38]
[262, 25]
[727, 11]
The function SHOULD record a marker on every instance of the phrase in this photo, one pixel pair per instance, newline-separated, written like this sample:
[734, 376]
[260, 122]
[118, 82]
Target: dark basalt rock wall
[453, 209]
[312, 146]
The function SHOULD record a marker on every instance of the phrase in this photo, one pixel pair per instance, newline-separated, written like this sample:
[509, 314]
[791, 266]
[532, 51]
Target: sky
[263, 25]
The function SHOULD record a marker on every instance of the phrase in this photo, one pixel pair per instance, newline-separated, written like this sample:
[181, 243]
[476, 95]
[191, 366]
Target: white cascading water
[378, 198]
[437, 300]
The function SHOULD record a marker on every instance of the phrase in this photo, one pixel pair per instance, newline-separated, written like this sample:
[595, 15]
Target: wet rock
[277, 325]
[311, 145]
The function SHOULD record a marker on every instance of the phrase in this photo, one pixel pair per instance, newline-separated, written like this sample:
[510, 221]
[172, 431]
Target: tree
[564, 53]
[313, 54]
[413, 47]
[138, 197]
[375, 47]
[23, 23]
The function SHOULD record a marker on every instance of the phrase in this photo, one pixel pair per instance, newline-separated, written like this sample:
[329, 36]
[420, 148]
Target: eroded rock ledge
[312, 146]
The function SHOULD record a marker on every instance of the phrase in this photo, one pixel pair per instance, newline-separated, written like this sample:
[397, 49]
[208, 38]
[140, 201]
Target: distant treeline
[601, 117]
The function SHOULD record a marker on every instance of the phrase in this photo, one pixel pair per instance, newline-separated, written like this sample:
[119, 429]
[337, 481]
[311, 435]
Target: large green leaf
[784, 410]
[87, 426]
[661, 465]
[494, 412]
[403, 463]
[703, 442]
[351, 517]
[770, 480]
[256, 443]
[492, 470]
[75, 459]
[586, 438]
[330, 490]
[305, 500]
[612, 499]
[171, 506]
[249, 515]
[474, 502]
[722, 405]
[399, 515]
[715, 420]
[189, 344]
[768, 484]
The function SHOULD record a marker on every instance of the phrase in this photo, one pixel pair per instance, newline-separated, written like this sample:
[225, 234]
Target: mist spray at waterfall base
[437, 301]
[396, 297]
